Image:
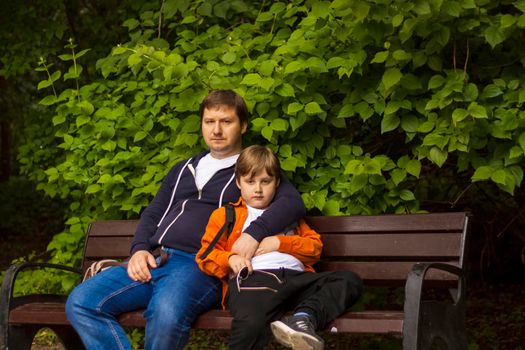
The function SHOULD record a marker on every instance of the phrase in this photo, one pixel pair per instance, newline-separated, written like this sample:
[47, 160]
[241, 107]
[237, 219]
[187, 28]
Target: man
[175, 293]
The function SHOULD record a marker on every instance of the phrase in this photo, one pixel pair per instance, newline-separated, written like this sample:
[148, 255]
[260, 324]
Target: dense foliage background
[373, 106]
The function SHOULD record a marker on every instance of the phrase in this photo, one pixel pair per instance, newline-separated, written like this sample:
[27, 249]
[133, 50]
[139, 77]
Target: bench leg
[69, 337]
[441, 326]
[21, 337]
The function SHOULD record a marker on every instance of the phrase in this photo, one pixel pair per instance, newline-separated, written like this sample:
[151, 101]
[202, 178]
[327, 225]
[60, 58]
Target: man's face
[258, 190]
[222, 131]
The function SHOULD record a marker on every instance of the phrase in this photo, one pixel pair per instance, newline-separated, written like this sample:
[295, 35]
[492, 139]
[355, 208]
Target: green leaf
[389, 123]
[82, 119]
[335, 62]
[312, 108]
[494, 36]
[134, 59]
[438, 156]
[413, 167]
[407, 195]
[294, 107]
[140, 135]
[521, 141]
[346, 111]
[401, 55]
[380, 57]
[118, 50]
[331, 208]
[477, 111]
[265, 17]
[86, 107]
[251, 79]
[515, 152]
[229, 57]
[297, 121]
[482, 173]
[398, 175]
[498, 176]
[93, 188]
[391, 77]
[48, 100]
[43, 84]
[397, 20]
[285, 90]
[285, 151]
[267, 133]
[294, 66]
[508, 21]
[436, 81]
[459, 114]
[358, 182]
[289, 164]
[491, 91]
[409, 123]
[267, 68]
[279, 124]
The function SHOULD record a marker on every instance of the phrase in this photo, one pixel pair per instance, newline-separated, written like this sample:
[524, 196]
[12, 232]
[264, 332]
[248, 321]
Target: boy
[259, 291]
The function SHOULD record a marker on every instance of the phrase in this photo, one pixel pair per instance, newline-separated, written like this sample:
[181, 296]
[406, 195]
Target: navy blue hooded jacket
[177, 216]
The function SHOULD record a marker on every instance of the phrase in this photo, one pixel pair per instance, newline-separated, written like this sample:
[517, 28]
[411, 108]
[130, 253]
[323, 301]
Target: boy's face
[258, 190]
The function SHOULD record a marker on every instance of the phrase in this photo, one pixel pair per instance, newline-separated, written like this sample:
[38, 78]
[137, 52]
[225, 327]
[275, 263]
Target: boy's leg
[253, 310]
[326, 295]
[92, 307]
[182, 292]
[320, 298]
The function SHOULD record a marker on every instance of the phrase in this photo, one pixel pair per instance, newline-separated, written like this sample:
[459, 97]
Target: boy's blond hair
[256, 158]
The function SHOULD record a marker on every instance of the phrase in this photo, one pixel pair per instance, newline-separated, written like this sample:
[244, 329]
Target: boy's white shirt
[272, 260]
[208, 166]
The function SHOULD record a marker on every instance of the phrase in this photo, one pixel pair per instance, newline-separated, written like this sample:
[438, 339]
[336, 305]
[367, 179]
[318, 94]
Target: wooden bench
[417, 251]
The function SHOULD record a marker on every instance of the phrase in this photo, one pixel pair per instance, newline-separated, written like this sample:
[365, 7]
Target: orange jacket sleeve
[305, 244]
[216, 263]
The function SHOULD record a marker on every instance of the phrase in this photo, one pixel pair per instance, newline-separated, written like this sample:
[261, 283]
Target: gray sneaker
[297, 332]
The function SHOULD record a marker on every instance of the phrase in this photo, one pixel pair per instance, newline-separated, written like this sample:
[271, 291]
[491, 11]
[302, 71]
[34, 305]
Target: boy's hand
[139, 265]
[245, 246]
[268, 244]
[237, 262]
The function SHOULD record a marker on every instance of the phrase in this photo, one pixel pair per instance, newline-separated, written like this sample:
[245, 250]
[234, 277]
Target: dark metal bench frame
[419, 251]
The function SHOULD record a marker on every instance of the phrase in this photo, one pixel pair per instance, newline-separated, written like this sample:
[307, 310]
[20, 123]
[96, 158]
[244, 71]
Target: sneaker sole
[293, 339]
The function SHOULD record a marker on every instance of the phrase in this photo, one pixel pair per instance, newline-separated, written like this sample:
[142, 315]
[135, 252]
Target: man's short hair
[229, 98]
[256, 158]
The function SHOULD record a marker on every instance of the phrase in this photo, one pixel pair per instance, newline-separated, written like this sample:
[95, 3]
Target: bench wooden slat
[386, 322]
[113, 228]
[435, 222]
[108, 246]
[384, 271]
[393, 245]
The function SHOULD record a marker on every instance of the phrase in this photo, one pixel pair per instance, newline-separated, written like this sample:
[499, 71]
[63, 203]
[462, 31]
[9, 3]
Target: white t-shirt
[272, 260]
[208, 166]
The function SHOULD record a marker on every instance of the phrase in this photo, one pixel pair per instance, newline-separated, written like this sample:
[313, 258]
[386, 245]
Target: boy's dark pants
[323, 295]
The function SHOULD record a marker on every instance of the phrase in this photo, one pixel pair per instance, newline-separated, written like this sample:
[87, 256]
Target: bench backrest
[380, 248]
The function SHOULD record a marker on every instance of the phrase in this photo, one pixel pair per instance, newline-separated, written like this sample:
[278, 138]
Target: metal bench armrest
[413, 307]
[6, 292]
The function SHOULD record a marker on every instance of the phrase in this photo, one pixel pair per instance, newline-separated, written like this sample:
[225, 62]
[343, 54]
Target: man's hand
[139, 265]
[237, 262]
[269, 244]
[245, 246]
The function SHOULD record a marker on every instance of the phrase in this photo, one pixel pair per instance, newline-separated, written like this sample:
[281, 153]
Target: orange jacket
[305, 244]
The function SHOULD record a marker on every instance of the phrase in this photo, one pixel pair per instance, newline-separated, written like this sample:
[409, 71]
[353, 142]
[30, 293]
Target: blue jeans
[177, 293]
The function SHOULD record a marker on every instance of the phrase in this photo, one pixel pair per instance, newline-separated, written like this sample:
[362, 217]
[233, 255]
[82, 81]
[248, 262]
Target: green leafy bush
[367, 103]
